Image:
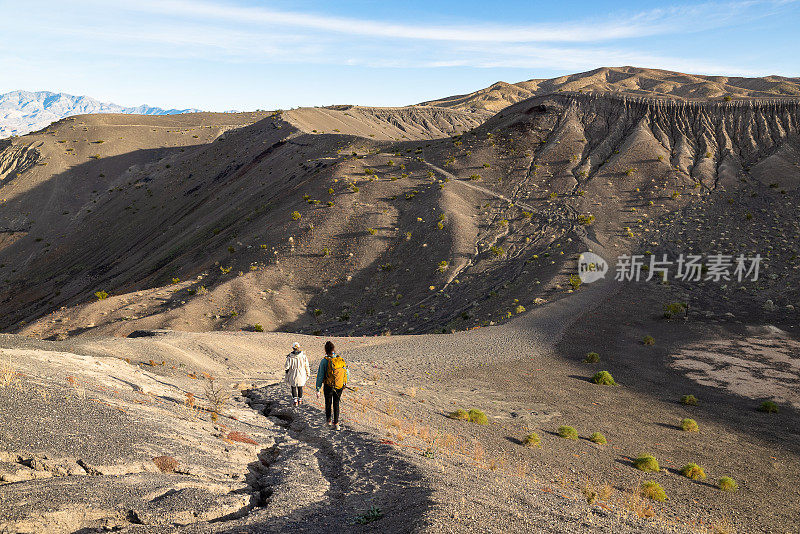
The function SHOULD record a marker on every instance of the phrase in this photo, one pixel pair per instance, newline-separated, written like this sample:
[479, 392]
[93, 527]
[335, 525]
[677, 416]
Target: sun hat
[295, 345]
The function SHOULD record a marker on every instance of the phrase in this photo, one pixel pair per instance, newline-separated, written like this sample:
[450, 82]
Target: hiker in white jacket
[297, 372]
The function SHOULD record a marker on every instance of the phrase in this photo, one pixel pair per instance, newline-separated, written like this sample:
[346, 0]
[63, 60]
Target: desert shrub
[101, 295]
[604, 378]
[629, 172]
[477, 416]
[497, 250]
[216, 396]
[693, 471]
[591, 357]
[674, 309]
[440, 225]
[519, 309]
[258, 328]
[598, 438]
[586, 220]
[768, 407]
[459, 415]
[646, 462]
[532, 440]
[371, 231]
[373, 514]
[594, 493]
[727, 484]
[649, 340]
[442, 266]
[575, 281]
[689, 400]
[241, 437]
[689, 425]
[296, 215]
[652, 490]
[166, 464]
[567, 432]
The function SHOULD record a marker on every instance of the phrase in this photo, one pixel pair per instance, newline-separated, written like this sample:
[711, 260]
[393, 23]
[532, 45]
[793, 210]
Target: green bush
[459, 415]
[768, 407]
[649, 340]
[689, 400]
[258, 328]
[532, 440]
[727, 484]
[567, 432]
[647, 462]
[295, 215]
[693, 471]
[478, 417]
[598, 438]
[497, 251]
[101, 295]
[652, 490]
[575, 281]
[604, 378]
[689, 425]
[592, 357]
[674, 309]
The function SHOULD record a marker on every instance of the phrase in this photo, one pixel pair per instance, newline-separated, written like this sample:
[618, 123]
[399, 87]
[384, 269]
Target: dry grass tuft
[9, 377]
[166, 464]
[241, 437]
[216, 396]
[594, 492]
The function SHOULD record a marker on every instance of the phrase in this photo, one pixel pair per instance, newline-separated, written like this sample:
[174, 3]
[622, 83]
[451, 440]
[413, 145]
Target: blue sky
[238, 54]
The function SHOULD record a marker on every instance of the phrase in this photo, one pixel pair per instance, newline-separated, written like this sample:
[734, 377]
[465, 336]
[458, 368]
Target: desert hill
[626, 80]
[138, 253]
[25, 111]
[288, 224]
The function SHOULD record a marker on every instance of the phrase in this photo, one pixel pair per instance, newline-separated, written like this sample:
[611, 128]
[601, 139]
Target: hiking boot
[329, 423]
[337, 427]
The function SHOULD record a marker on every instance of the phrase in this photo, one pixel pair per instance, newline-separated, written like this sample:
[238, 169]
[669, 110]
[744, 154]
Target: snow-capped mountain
[27, 111]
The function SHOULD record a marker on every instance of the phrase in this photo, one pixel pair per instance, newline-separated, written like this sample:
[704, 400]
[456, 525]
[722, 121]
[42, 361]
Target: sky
[221, 55]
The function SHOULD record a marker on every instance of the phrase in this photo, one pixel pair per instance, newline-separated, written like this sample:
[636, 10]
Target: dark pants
[332, 396]
[297, 391]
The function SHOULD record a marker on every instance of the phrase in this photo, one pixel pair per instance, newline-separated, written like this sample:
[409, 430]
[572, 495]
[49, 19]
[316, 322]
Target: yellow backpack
[336, 372]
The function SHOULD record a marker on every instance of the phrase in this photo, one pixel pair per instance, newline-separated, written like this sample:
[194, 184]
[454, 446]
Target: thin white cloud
[662, 21]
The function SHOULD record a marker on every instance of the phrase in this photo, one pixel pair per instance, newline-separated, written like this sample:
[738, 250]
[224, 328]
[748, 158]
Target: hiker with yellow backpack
[332, 377]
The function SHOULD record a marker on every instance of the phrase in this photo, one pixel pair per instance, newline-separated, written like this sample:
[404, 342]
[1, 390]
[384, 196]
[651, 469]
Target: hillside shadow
[126, 236]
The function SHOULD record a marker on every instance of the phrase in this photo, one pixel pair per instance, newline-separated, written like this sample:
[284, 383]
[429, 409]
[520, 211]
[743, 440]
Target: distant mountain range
[27, 111]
